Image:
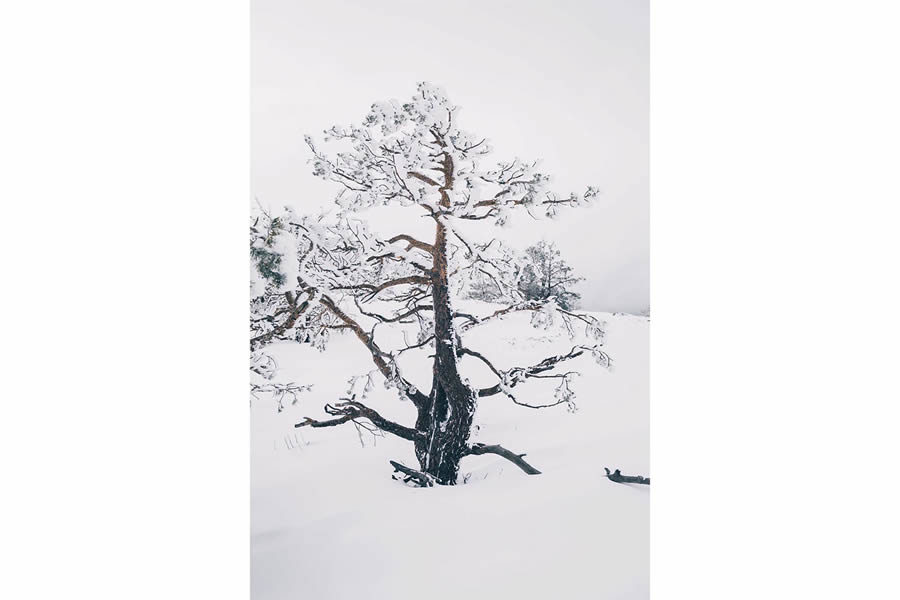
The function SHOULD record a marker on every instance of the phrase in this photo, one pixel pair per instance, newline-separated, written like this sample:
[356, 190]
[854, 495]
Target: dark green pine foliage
[262, 239]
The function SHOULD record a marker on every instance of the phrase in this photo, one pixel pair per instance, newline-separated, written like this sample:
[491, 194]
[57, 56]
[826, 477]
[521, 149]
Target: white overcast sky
[563, 81]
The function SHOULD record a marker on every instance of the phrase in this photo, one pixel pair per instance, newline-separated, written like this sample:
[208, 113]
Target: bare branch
[383, 319]
[350, 410]
[482, 358]
[516, 459]
[424, 178]
[413, 242]
[378, 356]
[329, 423]
[375, 289]
[398, 258]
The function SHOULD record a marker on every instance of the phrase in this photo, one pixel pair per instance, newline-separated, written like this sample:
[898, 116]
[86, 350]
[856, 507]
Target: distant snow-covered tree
[274, 312]
[313, 274]
[547, 275]
[542, 274]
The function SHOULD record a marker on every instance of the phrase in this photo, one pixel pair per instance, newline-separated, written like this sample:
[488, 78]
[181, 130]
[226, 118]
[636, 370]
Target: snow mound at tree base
[328, 522]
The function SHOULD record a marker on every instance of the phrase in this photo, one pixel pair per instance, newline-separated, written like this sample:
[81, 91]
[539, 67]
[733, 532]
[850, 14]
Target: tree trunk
[446, 418]
[447, 425]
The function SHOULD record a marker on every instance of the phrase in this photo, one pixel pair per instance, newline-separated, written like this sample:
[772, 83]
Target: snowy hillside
[329, 522]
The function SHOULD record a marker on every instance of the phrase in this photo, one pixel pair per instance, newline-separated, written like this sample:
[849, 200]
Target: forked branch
[516, 375]
[350, 410]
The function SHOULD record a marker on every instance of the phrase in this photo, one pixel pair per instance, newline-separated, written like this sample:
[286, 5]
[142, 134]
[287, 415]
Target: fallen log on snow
[619, 478]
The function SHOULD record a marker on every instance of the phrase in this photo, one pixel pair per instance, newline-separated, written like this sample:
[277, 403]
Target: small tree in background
[547, 275]
[543, 274]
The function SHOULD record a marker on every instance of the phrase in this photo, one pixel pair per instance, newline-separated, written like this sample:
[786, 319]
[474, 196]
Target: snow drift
[329, 522]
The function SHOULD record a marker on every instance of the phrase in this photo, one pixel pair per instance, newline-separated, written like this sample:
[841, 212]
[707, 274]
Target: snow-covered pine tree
[274, 310]
[546, 274]
[414, 158]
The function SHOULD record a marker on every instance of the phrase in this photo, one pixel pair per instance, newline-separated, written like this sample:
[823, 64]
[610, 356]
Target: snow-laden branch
[296, 310]
[510, 378]
[263, 371]
[389, 158]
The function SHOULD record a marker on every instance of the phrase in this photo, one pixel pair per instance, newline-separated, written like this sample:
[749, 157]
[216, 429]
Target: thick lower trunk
[447, 423]
[446, 419]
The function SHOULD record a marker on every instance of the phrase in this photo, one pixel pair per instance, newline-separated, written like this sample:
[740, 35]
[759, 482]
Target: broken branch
[516, 459]
[421, 479]
[619, 478]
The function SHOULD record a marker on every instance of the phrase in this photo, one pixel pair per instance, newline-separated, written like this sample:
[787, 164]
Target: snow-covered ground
[328, 522]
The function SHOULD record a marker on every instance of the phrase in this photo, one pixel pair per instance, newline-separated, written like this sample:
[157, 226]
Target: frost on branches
[540, 273]
[312, 274]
